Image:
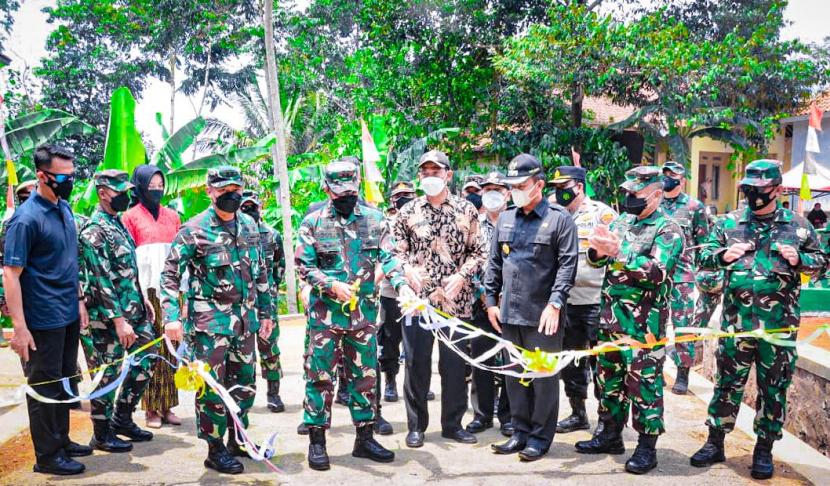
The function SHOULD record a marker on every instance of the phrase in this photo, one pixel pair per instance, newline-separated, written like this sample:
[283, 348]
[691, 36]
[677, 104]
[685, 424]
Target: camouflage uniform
[761, 292]
[227, 296]
[634, 304]
[710, 284]
[110, 285]
[333, 248]
[691, 215]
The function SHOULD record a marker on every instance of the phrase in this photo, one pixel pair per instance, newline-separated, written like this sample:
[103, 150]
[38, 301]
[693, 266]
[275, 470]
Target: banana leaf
[124, 149]
[27, 132]
[169, 156]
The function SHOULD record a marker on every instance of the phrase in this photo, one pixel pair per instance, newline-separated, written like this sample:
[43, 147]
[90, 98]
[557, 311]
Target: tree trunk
[278, 154]
[172, 93]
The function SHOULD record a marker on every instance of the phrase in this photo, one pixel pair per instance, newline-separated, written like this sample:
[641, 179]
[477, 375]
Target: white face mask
[433, 186]
[522, 198]
[493, 201]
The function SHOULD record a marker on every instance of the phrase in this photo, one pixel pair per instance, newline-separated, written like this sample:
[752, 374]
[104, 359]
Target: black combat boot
[381, 426]
[390, 394]
[367, 447]
[235, 448]
[578, 420]
[104, 440]
[220, 460]
[302, 429]
[318, 458]
[607, 441]
[712, 450]
[762, 465]
[122, 424]
[275, 404]
[644, 458]
[681, 384]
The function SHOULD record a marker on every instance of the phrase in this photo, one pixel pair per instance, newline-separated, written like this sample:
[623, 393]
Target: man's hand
[493, 314]
[173, 331]
[737, 250]
[22, 342]
[414, 277]
[83, 314]
[455, 283]
[790, 254]
[342, 291]
[604, 242]
[305, 295]
[126, 335]
[151, 312]
[265, 328]
[549, 323]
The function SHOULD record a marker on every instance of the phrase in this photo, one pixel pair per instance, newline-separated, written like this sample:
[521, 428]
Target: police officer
[269, 348]
[582, 317]
[639, 251]
[530, 271]
[120, 319]
[228, 301]
[693, 219]
[763, 249]
[340, 245]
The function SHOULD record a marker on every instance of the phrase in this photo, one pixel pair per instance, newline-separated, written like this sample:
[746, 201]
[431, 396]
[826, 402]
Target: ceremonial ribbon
[352, 302]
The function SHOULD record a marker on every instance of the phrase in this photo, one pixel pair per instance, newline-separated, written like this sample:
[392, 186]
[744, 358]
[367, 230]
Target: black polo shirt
[41, 237]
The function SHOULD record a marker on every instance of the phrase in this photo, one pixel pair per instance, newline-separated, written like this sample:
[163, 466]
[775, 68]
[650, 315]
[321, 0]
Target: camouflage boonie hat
[675, 167]
[762, 173]
[402, 187]
[117, 180]
[639, 178]
[341, 175]
[494, 179]
[250, 196]
[224, 175]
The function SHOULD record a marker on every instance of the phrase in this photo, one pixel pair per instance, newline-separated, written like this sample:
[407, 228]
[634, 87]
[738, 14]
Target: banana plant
[26, 132]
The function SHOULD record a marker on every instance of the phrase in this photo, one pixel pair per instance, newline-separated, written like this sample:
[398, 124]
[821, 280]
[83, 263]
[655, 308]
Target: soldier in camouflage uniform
[693, 219]
[640, 253]
[269, 348]
[228, 300]
[120, 320]
[763, 249]
[340, 245]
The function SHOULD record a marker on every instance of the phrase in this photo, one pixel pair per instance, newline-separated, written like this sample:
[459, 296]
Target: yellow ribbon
[187, 377]
[352, 303]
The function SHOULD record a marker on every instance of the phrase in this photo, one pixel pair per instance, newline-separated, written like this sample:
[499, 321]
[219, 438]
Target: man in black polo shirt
[40, 278]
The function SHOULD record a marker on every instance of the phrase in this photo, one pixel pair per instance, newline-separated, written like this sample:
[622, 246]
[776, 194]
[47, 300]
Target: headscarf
[141, 180]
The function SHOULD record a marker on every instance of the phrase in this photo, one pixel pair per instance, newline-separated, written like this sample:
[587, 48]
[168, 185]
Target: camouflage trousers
[232, 362]
[631, 379]
[682, 315]
[86, 345]
[269, 354]
[105, 348]
[774, 368]
[705, 307]
[358, 350]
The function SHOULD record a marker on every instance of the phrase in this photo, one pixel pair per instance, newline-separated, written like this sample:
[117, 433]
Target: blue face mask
[670, 183]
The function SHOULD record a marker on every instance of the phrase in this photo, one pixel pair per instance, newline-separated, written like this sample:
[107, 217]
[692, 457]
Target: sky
[809, 22]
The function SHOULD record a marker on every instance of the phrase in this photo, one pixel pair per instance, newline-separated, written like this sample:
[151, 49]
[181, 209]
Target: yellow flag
[11, 172]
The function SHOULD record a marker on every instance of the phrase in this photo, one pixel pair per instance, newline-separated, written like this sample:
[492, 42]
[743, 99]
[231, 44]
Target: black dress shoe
[507, 429]
[414, 439]
[77, 450]
[59, 465]
[532, 453]
[512, 446]
[479, 425]
[461, 436]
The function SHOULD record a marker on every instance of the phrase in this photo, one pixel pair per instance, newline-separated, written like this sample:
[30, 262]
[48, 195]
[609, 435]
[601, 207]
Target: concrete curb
[790, 449]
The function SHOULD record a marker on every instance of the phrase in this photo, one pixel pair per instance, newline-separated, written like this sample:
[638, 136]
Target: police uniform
[532, 265]
[761, 292]
[112, 292]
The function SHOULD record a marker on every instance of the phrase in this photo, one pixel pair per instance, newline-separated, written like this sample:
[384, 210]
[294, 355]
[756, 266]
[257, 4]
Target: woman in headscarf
[153, 227]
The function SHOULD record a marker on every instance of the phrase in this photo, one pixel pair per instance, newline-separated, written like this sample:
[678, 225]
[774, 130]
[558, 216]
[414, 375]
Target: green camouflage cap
[250, 196]
[224, 175]
[342, 175]
[494, 178]
[117, 180]
[640, 177]
[402, 187]
[762, 173]
[675, 167]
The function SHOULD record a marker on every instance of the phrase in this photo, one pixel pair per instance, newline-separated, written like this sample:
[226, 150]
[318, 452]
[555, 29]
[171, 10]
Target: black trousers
[484, 382]
[417, 343]
[55, 358]
[581, 333]
[390, 336]
[534, 409]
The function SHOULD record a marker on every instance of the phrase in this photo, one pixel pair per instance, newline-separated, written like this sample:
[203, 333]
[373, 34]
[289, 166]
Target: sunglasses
[60, 178]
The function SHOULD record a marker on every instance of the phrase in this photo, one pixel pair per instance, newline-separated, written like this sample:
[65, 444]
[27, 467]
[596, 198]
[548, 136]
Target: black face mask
[229, 202]
[155, 195]
[633, 204]
[344, 205]
[399, 202]
[670, 183]
[120, 202]
[251, 211]
[61, 189]
[564, 196]
[756, 199]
